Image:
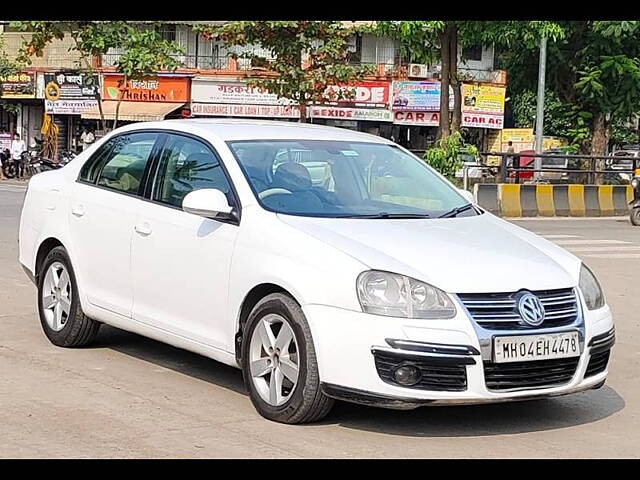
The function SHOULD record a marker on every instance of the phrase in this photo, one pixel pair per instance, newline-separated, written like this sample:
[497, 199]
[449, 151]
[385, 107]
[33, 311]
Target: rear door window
[123, 168]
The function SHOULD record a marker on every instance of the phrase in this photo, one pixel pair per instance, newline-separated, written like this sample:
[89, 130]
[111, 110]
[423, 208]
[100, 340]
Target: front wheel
[279, 363]
[635, 216]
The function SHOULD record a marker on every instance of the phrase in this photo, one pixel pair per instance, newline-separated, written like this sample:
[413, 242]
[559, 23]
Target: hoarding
[231, 110]
[70, 93]
[418, 96]
[346, 113]
[160, 88]
[20, 85]
[233, 93]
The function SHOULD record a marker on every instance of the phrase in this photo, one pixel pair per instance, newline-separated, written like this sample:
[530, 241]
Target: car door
[180, 261]
[101, 218]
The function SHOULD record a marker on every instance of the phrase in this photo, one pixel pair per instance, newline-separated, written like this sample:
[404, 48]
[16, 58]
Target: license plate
[535, 347]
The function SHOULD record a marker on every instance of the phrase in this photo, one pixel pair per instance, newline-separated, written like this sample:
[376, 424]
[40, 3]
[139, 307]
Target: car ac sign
[530, 309]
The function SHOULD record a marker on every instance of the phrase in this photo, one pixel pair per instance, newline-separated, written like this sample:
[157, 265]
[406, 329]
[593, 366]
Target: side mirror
[208, 203]
[467, 195]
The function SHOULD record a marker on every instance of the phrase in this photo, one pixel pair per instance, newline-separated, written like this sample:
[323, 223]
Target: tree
[595, 69]
[7, 67]
[305, 58]
[145, 52]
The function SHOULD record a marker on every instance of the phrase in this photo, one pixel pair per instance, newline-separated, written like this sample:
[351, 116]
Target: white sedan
[325, 263]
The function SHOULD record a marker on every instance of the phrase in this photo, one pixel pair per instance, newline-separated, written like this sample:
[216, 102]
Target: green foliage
[7, 67]
[594, 69]
[145, 53]
[446, 156]
[305, 57]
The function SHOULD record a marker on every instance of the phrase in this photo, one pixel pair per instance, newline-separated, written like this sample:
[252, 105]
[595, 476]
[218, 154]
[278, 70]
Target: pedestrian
[87, 138]
[17, 147]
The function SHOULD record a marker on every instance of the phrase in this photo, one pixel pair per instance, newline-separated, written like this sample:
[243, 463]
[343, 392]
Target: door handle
[78, 210]
[143, 229]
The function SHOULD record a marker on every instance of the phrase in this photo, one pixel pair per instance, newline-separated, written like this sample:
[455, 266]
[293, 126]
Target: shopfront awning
[132, 111]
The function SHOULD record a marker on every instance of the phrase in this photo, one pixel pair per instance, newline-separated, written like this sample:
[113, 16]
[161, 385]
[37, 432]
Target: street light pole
[540, 104]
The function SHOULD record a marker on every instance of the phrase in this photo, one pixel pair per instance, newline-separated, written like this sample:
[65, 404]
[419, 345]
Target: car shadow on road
[169, 357]
[437, 421]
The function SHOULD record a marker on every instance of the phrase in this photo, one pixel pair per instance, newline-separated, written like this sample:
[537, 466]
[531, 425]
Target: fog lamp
[407, 375]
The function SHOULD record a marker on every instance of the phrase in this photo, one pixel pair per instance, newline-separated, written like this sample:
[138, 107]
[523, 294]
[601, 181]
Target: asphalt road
[128, 396]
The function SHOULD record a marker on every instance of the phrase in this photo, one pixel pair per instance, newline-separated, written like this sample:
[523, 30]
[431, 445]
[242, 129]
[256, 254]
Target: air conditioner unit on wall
[419, 70]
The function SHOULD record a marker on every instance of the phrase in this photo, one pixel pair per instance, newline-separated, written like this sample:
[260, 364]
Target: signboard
[364, 93]
[150, 89]
[418, 96]
[5, 141]
[427, 119]
[69, 107]
[345, 113]
[517, 135]
[231, 110]
[233, 93]
[20, 85]
[482, 105]
[70, 93]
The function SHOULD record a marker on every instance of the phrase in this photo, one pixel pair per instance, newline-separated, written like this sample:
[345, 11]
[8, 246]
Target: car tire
[302, 402]
[63, 321]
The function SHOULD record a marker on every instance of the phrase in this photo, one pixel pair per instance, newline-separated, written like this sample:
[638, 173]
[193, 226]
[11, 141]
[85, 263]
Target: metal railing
[569, 168]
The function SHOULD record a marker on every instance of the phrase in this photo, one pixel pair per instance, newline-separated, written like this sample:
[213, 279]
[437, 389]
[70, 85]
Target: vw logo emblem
[530, 309]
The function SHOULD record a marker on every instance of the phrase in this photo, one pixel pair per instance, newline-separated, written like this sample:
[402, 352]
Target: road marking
[612, 255]
[551, 237]
[615, 248]
[590, 242]
[12, 188]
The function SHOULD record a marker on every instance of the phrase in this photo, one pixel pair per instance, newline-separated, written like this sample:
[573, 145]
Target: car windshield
[322, 178]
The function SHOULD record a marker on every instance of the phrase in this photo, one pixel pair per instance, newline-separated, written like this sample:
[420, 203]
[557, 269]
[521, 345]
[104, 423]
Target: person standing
[17, 147]
[87, 138]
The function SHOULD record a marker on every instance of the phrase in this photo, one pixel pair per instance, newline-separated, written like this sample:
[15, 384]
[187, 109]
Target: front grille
[533, 374]
[446, 378]
[597, 363]
[498, 311]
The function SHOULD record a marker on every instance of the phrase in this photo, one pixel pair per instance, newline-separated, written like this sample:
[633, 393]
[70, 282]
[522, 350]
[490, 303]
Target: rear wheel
[62, 319]
[279, 363]
[635, 216]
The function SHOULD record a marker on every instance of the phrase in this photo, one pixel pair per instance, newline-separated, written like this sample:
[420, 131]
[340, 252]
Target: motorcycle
[635, 203]
[10, 167]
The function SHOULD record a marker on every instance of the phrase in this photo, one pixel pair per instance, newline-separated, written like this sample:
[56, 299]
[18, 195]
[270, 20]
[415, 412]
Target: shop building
[20, 91]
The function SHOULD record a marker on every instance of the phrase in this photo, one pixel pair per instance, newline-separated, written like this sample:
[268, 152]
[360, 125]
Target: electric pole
[540, 104]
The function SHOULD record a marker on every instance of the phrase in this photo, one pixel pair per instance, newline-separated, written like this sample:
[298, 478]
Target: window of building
[472, 53]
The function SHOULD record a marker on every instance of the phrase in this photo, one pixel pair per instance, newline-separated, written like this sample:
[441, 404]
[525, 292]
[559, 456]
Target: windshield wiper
[455, 211]
[388, 215]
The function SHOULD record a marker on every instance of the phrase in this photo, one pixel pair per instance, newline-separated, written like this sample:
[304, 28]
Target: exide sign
[365, 93]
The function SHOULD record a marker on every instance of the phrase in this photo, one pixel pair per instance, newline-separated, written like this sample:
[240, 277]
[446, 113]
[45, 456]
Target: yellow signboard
[479, 98]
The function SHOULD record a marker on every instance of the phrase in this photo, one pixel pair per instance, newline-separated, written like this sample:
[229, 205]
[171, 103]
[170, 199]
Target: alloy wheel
[274, 359]
[56, 296]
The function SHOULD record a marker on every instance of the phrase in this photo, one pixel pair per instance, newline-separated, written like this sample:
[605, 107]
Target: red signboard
[364, 93]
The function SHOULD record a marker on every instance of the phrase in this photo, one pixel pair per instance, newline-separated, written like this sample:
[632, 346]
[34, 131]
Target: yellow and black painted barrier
[513, 200]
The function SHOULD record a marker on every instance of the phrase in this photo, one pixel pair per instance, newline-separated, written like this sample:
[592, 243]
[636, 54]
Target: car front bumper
[346, 343]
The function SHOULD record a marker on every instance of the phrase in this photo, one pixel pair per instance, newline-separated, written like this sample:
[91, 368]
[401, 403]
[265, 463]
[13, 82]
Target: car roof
[247, 129]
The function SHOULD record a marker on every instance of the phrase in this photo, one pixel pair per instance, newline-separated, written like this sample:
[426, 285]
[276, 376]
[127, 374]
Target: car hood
[475, 254]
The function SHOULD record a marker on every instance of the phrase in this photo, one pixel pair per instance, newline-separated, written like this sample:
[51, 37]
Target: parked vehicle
[626, 162]
[475, 168]
[385, 286]
[528, 160]
[9, 167]
[635, 203]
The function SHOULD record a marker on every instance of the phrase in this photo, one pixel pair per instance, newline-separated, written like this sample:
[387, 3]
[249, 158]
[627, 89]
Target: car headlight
[393, 295]
[590, 288]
